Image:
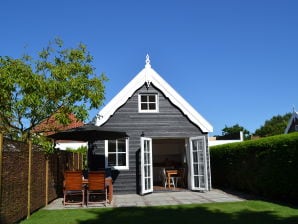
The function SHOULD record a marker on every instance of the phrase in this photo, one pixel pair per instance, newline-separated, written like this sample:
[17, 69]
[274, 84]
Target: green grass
[252, 212]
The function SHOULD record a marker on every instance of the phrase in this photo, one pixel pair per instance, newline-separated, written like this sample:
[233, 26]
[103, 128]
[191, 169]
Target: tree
[275, 126]
[233, 132]
[59, 82]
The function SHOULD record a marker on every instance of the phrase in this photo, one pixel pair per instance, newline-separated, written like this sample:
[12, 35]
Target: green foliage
[46, 144]
[267, 166]
[60, 81]
[275, 126]
[83, 150]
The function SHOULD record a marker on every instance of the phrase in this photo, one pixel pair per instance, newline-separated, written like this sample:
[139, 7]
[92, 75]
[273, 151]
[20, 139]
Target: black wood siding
[169, 122]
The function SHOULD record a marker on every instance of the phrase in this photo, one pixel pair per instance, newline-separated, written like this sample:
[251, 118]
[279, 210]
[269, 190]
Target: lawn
[252, 212]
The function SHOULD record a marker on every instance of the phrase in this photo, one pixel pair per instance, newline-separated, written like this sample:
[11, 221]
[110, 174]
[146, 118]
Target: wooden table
[169, 174]
[109, 185]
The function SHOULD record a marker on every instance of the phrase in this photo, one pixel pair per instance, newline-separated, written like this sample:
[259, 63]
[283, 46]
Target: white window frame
[296, 127]
[126, 167]
[156, 103]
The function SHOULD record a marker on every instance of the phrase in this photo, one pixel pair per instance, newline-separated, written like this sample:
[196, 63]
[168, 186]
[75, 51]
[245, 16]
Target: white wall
[71, 145]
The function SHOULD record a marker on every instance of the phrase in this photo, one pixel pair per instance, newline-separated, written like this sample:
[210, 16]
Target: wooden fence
[29, 178]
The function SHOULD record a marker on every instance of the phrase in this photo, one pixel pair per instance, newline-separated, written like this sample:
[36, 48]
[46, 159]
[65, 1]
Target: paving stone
[154, 199]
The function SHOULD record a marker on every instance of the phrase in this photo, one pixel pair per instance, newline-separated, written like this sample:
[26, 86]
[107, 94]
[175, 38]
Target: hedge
[266, 167]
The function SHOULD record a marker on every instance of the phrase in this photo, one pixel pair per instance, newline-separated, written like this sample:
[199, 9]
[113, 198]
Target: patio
[160, 198]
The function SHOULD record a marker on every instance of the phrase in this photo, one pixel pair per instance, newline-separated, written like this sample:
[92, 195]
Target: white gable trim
[149, 75]
[294, 116]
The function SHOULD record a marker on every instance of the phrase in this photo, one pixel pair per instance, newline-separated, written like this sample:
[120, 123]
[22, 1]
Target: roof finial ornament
[147, 61]
[147, 67]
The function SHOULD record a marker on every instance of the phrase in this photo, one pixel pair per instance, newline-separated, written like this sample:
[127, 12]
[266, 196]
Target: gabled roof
[293, 118]
[148, 76]
[51, 125]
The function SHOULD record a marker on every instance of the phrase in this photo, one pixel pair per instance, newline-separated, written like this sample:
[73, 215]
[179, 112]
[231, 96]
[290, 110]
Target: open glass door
[146, 166]
[198, 163]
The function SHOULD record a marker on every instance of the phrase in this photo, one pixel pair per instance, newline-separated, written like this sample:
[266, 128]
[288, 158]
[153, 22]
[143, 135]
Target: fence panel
[14, 178]
[14, 181]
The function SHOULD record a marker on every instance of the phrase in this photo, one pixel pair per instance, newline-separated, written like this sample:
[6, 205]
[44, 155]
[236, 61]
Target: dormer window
[148, 102]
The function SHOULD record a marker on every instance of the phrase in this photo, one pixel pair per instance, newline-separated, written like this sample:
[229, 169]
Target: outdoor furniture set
[173, 177]
[80, 191]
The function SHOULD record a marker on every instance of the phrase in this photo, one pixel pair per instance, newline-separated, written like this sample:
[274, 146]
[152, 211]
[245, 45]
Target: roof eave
[120, 99]
[145, 75]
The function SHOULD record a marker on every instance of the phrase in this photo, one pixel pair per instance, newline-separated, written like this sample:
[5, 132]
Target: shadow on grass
[191, 214]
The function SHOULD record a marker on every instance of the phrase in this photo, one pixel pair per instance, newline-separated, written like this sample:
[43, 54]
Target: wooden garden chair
[74, 192]
[97, 190]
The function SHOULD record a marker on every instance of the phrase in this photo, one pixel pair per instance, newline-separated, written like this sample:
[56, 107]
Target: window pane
[148, 158]
[147, 172]
[152, 106]
[146, 146]
[151, 98]
[197, 183]
[202, 181]
[144, 106]
[201, 169]
[121, 145]
[195, 170]
[201, 160]
[143, 98]
[147, 183]
[112, 146]
[122, 159]
[148, 102]
[195, 148]
[117, 152]
[195, 157]
[112, 160]
[201, 148]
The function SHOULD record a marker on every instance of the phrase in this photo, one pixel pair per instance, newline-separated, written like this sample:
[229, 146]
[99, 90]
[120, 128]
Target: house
[164, 131]
[213, 141]
[50, 126]
[293, 123]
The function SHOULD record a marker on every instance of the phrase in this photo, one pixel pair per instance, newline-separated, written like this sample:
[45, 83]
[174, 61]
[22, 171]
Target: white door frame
[146, 166]
[198, 163]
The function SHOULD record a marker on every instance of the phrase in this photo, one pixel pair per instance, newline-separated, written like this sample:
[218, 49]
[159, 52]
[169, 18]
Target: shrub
[267, 166]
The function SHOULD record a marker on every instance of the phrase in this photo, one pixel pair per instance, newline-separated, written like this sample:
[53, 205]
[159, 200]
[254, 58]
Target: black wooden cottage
[164, 131]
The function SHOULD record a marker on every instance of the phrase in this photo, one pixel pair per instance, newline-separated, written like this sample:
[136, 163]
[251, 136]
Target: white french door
[198, 163]
[146, 166]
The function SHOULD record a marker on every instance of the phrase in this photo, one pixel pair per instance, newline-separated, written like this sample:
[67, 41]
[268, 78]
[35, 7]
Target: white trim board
[150, 76]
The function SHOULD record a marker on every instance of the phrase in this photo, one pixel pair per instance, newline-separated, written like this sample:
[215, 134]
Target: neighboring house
[164, 131]
[213, 141]
[50, 126]
[293, 123]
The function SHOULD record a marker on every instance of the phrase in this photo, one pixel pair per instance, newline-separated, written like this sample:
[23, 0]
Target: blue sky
[235, 61]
